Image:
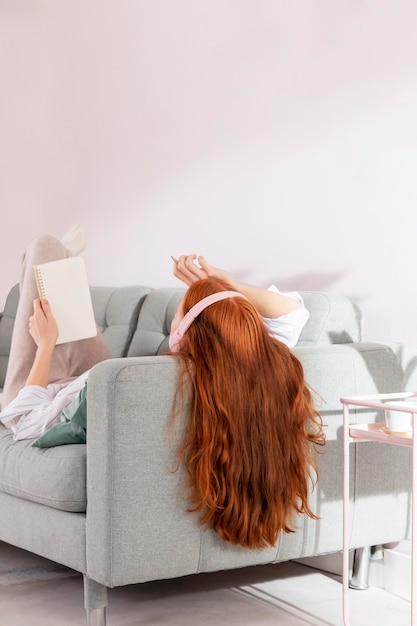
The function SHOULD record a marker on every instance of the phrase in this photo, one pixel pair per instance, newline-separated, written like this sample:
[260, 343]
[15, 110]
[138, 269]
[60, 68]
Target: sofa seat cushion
[55, 477]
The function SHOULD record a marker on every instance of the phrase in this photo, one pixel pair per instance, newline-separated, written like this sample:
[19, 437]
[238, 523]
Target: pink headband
[195, 310]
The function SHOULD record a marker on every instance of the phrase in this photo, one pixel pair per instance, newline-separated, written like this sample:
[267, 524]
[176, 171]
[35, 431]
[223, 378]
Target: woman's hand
[190, 268]
[42, 325]
[44, 331]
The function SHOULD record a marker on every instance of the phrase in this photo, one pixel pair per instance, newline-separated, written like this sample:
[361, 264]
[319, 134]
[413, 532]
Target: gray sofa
[114, 509]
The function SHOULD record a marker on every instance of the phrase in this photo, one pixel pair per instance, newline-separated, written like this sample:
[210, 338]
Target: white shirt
[287, 328]
[35, 408]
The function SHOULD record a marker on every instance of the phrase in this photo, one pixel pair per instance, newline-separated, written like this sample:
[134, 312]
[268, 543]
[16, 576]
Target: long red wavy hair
[249, 444]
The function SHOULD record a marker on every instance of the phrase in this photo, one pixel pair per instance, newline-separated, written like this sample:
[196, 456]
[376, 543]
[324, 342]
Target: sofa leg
[360, 568]
[95, 602]
[96, 617]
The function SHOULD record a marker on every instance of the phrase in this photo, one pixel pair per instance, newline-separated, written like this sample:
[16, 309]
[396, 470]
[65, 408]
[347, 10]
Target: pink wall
[277, 138]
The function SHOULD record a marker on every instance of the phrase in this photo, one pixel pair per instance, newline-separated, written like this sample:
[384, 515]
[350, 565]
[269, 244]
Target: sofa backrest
[136, 320]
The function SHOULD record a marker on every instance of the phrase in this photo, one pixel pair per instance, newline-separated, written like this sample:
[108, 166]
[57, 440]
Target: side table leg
[414, 529]
[346, 495]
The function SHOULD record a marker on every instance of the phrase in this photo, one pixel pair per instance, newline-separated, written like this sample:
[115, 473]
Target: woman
[249, 447]
[252, 426]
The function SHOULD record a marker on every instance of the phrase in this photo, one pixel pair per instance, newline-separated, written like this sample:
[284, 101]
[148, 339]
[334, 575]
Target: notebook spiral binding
[39, 282]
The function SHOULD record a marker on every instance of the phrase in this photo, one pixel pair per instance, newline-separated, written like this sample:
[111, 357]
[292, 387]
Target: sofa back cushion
[117, 310]
[154, 322]
[333, 319]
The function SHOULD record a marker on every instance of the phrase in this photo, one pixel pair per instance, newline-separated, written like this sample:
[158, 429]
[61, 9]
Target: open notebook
[65, 285]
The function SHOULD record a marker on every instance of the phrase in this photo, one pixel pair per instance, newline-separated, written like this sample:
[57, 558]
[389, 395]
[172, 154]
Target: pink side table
[357, 433]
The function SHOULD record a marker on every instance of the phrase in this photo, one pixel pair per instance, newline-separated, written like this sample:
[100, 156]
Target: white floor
[37, 592]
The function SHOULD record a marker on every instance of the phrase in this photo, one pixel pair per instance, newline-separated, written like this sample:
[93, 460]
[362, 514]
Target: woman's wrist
[45, 349]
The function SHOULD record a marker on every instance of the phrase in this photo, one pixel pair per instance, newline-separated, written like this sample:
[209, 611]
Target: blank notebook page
[64, 284]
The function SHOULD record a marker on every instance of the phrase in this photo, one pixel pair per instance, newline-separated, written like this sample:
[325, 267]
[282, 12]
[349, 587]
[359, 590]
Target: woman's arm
[44, 331]
[268, 303]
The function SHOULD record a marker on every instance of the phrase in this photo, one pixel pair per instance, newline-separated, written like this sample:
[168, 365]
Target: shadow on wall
[407, 360]
[308, 281]
[312, 281]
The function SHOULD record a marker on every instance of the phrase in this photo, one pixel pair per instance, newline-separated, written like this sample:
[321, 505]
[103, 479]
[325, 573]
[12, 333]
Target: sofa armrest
[380, 473]
[135, 504]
